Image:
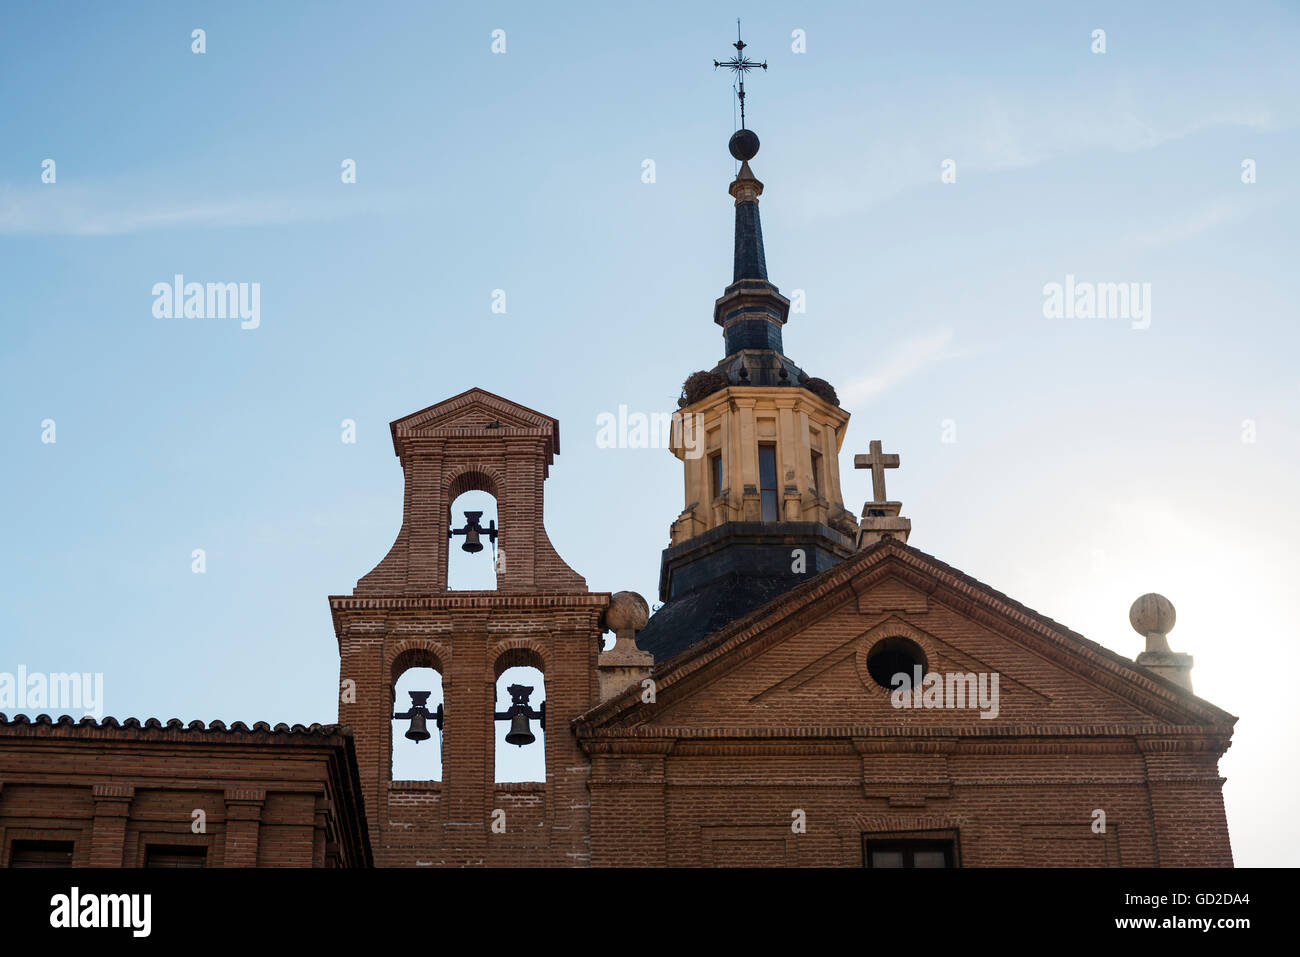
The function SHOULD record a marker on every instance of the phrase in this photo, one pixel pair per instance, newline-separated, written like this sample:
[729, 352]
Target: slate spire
[751, 310]
[750, 260]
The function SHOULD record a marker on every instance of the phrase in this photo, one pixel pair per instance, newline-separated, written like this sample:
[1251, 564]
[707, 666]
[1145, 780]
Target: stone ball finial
[627, 611]
[1152, 614]
[743, 145]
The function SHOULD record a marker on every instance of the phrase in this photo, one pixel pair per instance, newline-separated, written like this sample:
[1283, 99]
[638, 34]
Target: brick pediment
[476, 414]
[801, 661]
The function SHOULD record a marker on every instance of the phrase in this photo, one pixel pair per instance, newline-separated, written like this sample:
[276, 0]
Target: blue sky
[1093, 461]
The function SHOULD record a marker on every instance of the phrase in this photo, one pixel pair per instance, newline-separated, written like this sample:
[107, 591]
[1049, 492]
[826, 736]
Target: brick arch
[519, 653]
[401, 656]
[474, 478]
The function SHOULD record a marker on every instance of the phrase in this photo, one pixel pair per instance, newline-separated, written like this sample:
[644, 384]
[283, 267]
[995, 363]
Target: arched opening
[417, 694]
[473, 550]
[517, 759]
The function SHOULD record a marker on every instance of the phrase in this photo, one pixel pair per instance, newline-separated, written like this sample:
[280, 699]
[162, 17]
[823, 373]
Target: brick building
[104, 794]
[756, 718]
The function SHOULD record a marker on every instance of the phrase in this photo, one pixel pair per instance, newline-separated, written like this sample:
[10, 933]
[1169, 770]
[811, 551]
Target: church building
[756, 717]
[812, 691]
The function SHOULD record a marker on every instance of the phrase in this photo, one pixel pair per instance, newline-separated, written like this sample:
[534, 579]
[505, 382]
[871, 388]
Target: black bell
[519, 733]
[419, 730]
[474, 532]
[472, 544]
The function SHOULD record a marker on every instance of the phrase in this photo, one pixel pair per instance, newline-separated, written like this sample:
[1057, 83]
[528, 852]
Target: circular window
[894, 655]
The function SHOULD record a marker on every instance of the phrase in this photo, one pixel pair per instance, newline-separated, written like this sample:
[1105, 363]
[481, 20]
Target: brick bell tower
[402, 615]
[759, 441]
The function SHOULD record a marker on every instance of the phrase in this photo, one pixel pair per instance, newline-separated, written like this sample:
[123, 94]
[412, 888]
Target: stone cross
[877, 462]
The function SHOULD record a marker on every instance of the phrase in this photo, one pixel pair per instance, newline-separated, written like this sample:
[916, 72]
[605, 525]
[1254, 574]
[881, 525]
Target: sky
[1072, 463]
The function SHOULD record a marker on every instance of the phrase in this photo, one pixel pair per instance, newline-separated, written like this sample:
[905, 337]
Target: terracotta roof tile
[110, 723]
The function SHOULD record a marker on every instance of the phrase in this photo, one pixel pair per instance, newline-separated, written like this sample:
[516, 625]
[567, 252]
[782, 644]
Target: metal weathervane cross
[740, 65]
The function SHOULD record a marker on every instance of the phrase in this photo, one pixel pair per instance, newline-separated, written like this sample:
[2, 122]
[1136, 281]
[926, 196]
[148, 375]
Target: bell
[519, 733]
[472, 544]
[419, 730]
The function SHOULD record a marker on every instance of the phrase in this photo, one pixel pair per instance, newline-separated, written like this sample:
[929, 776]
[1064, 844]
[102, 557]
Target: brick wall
[776, 719]
[470, 638]
[287, 798]
[1009, 803]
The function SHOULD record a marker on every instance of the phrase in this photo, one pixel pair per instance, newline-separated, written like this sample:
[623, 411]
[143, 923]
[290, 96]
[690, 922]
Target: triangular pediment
[476, 413]
[802, 663]
[844, 669]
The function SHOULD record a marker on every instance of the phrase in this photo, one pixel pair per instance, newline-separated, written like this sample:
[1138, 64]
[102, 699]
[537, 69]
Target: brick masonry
[269, 797]
[402, 615]
[777, 714]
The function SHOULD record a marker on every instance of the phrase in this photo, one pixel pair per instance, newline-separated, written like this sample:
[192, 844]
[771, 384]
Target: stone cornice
[749, 395]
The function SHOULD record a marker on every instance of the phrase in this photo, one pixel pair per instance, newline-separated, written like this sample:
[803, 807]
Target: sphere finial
[743, 144]
[1152, 613]
[627, 613]
[1152, 616]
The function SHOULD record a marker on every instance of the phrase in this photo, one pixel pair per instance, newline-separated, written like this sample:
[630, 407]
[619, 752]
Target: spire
[764, 474]
[751, 310]
[750, 260]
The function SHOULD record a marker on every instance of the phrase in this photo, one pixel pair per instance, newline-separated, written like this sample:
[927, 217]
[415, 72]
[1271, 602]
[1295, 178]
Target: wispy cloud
[102, 210]
[994, 133]
[1200, 221]
[1001, 137]
[900, 361]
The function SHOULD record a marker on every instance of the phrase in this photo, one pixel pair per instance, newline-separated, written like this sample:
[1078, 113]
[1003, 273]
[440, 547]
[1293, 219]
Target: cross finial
[740, 65]
[877, 462]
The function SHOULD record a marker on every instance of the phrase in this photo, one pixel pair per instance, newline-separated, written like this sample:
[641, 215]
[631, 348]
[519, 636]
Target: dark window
[715, 471]
[892, 852]
[40, 854]
[817, 472]
[767, 481]
[893, 656]
[175, 855]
